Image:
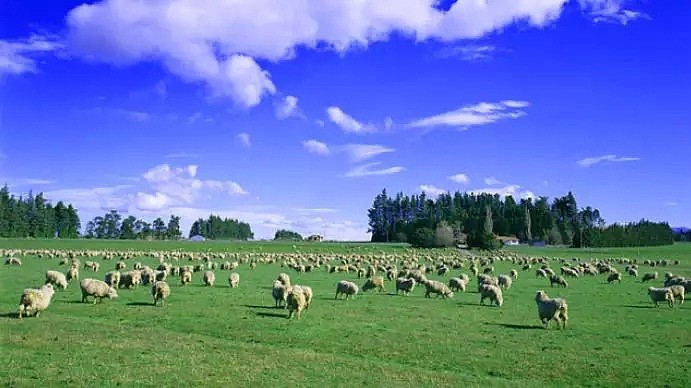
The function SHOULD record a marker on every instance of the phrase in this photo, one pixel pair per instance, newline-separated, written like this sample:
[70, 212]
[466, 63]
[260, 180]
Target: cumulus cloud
[474, 115]
[346, 122]
[591, 161]
[316, 147]
[491, 181]
[611, 11]
[244, 139]
[367, 170]
[470, 52]
[19, 56]
[102, 198]
[460, 178]
[433, 190]
[512, 190]
[288, 107]
[360, 152]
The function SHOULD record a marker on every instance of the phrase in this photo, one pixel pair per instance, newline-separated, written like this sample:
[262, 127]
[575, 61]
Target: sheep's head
[540, 295]
[112, 293]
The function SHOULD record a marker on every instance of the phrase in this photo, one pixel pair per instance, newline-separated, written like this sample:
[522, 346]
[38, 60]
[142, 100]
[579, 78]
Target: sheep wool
[347, 289]
[551, 309]
[56, 278]
[405, 285]
[209, 278]
[493, 293]
[376, 282]
[34, 301]
[234, 280]
[160, 291]
[96, 289]
[295, 302]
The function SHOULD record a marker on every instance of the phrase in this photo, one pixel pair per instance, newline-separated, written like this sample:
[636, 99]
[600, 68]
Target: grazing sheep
[34, 301]
[540, 273]
[558, 280]
[613, 277]
[570, 272]
[234, 280]
[504, 281]
[13, 261]
[633, 272]
[457, 284]
[284, 279]
[649, 276]
[56, 278]
[209, 278]
[307, 290]
[376, 282]
[161, 275]
[295, 302]
[280, 293]
[97, 289]
[113, 278]
[347, 289]
[661, 294]
[437, 287]
[551, 309]
[678, 292]
[130, 279]
[72, 273]
[120, 265]
[405, 285]
[493, 293]
[160, 291]
[513, 274]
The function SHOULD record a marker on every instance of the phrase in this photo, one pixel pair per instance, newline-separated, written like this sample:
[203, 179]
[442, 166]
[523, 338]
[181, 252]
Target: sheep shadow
[140, 304]
[10, 315]
[270, 315]
[515, 326]
[631, 306]
[251, 306]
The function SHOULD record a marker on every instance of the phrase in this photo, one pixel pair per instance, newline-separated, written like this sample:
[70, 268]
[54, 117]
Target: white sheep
[72, 273]
[661, 294]
[56, 278]
[437, 287]
[34, 301]
[405, 285]
[514, 274]
[307, 291]
[280, 293]
[160, 291]
[649, 276]
[375, 282]
[234, 280]
[113, 278]
[284, 279]
[504, 281]
[185, 275]
[13, 261]
[347, 289]
[678, 292]
[209, 278]
[97, 289]
[613, 277]
[493, 293]
[457, 284]
[551, 309]
[295, 302]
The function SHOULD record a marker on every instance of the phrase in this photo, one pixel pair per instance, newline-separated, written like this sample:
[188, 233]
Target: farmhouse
[508, 240]
[315, 237]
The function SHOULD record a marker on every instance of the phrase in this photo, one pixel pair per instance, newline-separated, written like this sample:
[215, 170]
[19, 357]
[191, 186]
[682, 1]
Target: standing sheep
[56, 278]
[72, 273]
[234, 280]
[34, 301]
[347, 289]
[307, 290]
[280, 293]
[514, 274]
[97, 289]
[209, 278]
[504, 281]
[112, 278]
[375, 282]
[405, 285]
[677, 292]
[437, 287]
[160, 291]
[185, 276]
[551, 308]
[661, 294]
[457, 284]
[649, 276]
[493, 293]
[284, 279]
[613, 277]
[295, 302]
[559, 280]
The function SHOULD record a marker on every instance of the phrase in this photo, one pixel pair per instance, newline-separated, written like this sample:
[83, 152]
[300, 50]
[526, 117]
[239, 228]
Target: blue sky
[295, 114]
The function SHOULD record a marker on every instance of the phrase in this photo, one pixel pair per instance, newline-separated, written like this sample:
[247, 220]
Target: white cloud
[288, 107]
[433, 190]
[460, 178]
[670, 204]
[360, 152]
[103, 198]
[470, 52]
[152, 202]
[244, 139]
[474, 115]
[587, 162]
[19, 56]
[346, 122]
[316, 147]
[492, 181]
[611, 11]
[512, 190]
[26, 181]
[319, 122]
[388, 123]
[366, 170]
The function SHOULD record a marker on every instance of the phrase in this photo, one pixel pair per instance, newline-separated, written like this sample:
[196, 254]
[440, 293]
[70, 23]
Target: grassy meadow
[235, 337]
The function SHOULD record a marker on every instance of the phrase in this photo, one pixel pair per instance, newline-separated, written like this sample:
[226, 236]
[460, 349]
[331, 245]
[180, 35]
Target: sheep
[113, 278]
[613, 277]
[72, 273]
[161, 275]
[130, 279]
[56, 278]
[160, 291]
[34, 301]
[13, 261]
[661, 294]
[633, 272]
[405, 285]
[513, 274]
[307, 290]
[437, 287]
[120, 265]
[678, 291]
[649, 276]
[295, 302]
[570, 272]
[234, 280]
[97, 289]
[559, 280]
[376, 282]
[209, 278]
[540, 273]
[347, 289]
[284, 279]
[493, 293]
[551, 309]
[457, 284]
[185, 276]
[280, 293]
[504, 281]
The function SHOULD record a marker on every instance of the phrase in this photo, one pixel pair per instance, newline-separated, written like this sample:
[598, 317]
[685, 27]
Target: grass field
[221, 336]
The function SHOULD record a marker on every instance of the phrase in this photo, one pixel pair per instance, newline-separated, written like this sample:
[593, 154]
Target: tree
[444, 236]
[173, 228]
[127, 229]
[159, 229]
[284, 234]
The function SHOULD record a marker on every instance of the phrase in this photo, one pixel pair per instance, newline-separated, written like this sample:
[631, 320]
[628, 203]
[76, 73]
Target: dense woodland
[284, 234]
[34, 216]
[226, 229]
[113, 226]
[478, 219]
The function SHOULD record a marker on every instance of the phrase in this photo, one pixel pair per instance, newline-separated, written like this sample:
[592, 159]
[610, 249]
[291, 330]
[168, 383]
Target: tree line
[113, 226]
[476, 219]
[216, 228]
[34, 216]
